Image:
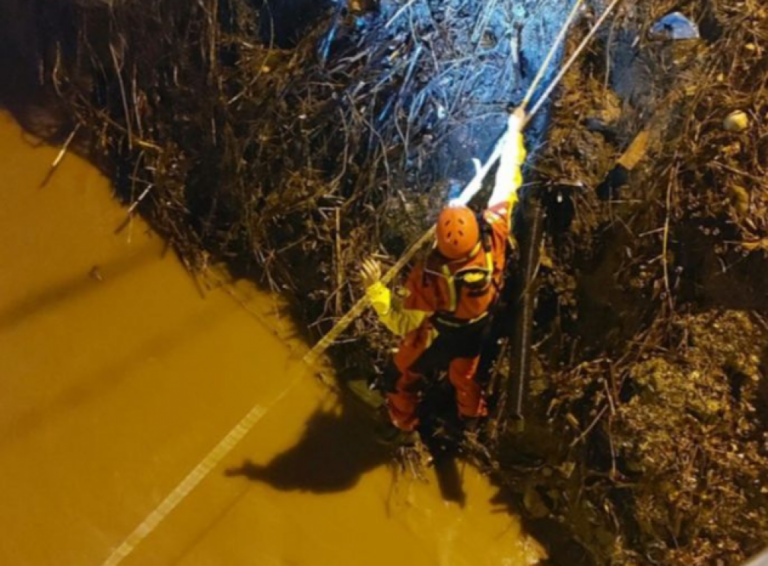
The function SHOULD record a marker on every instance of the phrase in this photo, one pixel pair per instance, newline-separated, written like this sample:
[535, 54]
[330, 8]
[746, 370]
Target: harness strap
[448, 320]
[453, 298]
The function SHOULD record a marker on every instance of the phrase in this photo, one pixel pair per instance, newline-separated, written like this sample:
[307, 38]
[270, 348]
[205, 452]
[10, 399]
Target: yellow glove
[379, 295]
[397, 319]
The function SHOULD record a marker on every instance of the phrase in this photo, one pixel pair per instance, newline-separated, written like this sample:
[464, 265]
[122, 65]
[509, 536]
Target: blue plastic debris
[675, 26]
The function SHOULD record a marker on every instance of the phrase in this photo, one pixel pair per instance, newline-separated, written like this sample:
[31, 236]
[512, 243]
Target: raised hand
[370, 272]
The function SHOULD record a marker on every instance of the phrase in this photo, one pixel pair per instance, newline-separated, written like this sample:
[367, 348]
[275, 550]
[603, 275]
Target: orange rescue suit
[454, 331]
[444, 313]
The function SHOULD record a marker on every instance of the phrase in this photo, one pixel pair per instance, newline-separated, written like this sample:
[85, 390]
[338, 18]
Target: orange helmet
[457, 232]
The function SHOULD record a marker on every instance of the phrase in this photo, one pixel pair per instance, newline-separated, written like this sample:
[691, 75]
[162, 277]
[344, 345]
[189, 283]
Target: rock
[675, 26]
[737, 121]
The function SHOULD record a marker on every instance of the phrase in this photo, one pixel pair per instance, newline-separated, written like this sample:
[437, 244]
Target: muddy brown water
[117, 375]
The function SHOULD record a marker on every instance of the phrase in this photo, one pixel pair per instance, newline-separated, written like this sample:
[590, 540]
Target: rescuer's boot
[390, 435]
[473, 430]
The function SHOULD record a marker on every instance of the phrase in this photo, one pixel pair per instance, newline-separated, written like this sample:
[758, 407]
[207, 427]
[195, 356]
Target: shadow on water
[337, 448]
[449, 478]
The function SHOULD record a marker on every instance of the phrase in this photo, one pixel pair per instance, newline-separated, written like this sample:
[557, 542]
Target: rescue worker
[444, 313]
